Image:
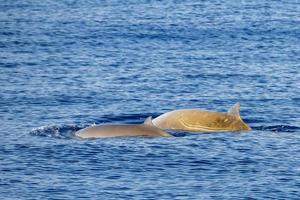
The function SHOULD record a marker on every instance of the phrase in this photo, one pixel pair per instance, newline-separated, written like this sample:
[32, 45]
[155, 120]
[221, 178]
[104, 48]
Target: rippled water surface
[68, 64]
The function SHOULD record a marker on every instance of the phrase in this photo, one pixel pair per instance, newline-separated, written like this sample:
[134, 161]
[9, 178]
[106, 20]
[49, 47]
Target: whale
[197, 120]
[119, 130]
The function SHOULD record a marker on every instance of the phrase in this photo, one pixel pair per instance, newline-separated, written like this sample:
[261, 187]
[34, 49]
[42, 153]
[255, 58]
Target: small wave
[57, 131]
[278, 128]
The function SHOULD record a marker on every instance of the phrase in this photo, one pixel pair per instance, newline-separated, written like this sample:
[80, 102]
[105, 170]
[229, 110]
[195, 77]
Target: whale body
[197, 120]
[118, 130]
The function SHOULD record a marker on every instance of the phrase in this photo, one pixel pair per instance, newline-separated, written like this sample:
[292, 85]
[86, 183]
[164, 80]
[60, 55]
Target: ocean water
[67, 64]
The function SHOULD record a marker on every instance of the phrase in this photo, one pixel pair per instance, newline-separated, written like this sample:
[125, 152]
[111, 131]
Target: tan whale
[202, 120]
[105, 131]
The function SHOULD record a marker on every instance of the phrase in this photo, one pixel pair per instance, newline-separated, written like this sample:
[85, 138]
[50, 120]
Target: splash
[57, 131]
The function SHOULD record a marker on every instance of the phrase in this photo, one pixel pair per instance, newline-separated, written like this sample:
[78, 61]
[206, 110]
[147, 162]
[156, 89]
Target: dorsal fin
[148, 121]
[235, 110]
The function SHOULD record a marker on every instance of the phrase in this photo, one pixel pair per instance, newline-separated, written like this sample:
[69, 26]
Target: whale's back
[104, 131]
[200, 120]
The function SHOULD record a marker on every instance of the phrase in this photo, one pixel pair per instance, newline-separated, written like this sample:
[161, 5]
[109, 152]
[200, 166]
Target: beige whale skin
[197, 120]
[118, 130]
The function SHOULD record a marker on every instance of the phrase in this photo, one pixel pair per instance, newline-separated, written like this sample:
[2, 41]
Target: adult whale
[202, 120]
[117, 130]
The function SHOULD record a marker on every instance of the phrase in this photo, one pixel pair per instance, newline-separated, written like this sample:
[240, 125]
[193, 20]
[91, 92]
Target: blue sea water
[68, 64]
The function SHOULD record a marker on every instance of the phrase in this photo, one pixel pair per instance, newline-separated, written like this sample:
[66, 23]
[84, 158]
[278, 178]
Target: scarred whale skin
[197, 120]
[118, 130]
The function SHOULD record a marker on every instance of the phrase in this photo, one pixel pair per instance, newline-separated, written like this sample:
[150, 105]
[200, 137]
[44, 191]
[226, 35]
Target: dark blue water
[68, 64]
